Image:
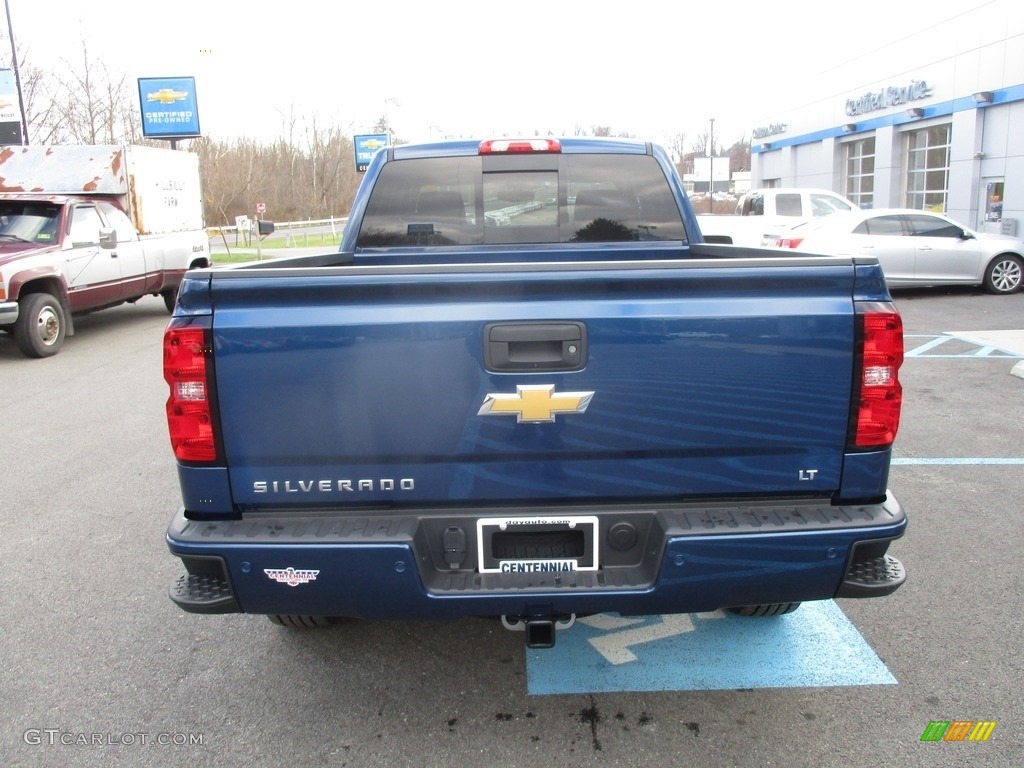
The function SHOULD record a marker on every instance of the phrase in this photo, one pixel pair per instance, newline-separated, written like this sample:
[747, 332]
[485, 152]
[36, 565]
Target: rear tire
[170, 298]
[300, 622]
[1004, 274]
[40, 327]
[768, 609]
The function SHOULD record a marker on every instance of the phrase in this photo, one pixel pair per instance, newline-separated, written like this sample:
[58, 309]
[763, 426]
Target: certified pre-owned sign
[169, 107]
[366, 147]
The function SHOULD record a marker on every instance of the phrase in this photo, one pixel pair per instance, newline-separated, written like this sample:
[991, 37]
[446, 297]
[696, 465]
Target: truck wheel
[768, 609]
[170, 297]
[1004, 274]
[39, 330]
[300, 622]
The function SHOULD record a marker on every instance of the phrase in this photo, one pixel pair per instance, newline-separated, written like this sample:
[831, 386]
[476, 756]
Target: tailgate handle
[535, 346]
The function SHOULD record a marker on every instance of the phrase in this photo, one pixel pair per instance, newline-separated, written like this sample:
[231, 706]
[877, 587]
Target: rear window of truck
[450, 201]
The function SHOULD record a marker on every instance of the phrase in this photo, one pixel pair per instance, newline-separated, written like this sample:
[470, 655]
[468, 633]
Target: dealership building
[934, 122]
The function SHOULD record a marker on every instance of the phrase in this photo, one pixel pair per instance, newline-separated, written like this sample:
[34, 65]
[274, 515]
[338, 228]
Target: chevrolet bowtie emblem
[535, 403]
[167, 96]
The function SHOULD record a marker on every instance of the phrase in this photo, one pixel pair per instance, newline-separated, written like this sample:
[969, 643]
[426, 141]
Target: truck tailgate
[362, 386]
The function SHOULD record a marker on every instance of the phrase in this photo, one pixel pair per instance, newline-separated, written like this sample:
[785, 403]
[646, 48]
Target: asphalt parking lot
[102, 669]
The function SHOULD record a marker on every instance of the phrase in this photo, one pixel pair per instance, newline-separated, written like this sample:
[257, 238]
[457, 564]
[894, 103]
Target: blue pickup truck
[524, 387]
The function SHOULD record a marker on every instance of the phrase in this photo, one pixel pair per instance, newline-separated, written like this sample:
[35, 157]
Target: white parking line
[945, 461]
[988, 344]
[1010, 342]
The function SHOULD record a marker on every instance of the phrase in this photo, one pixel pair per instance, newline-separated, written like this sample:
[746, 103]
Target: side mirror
[265, 227]
[108, 237]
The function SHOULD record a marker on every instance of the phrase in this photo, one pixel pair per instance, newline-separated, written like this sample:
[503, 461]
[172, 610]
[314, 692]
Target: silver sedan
[916, 248]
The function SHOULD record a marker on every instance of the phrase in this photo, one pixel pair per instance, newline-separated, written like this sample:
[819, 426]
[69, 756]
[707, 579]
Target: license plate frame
[542, 526]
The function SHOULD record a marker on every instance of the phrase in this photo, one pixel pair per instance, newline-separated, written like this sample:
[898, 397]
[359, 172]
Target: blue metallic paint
[674, 412]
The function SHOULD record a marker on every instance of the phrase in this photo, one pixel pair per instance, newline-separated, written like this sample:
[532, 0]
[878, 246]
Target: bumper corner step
[877, 577]
[203, 593]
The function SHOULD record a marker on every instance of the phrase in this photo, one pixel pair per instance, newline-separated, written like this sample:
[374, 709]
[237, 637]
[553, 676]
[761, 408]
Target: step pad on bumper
[203, 593]
[877, 577]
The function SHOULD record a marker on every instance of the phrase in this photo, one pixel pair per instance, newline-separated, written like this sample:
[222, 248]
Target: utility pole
[711, 168]
[17, 75]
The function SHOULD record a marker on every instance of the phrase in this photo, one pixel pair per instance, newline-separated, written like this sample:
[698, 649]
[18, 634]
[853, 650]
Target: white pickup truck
[762, 214]
[83, 228]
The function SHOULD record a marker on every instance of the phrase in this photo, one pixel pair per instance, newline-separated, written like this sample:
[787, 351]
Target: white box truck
[84, 228]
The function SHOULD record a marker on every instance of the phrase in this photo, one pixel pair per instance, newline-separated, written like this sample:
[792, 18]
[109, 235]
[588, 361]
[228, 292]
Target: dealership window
[928, 168]
[859, 168]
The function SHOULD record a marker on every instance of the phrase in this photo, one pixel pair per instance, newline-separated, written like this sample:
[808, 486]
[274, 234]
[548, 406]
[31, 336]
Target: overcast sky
[650, 68]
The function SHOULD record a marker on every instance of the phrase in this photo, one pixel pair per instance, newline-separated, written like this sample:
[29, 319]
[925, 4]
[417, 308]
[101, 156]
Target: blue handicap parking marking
[816, 645]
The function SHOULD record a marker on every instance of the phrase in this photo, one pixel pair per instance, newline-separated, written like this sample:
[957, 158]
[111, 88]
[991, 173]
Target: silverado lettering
[330, 486]
[748, 403]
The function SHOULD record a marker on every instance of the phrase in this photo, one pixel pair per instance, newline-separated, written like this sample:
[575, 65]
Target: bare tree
[45, 125]
[37, 101]
[739, 155]
[315, 148]
[230, 178]
[339, 179]
[94, 105]
[701, 143]
[676, 146]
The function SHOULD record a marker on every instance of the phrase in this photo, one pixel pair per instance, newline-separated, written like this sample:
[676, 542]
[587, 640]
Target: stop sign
[261, 207]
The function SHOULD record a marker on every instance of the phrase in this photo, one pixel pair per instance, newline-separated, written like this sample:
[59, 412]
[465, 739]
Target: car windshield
[28, 222]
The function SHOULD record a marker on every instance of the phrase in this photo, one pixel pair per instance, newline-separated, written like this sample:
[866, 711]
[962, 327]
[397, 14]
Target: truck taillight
[788, 242]
[878, 396]
[510, 146]
[189, 415]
